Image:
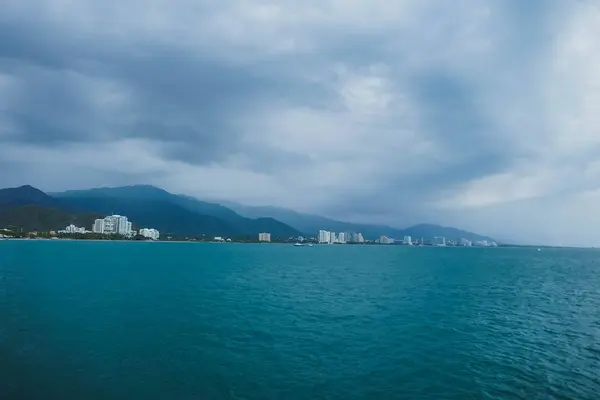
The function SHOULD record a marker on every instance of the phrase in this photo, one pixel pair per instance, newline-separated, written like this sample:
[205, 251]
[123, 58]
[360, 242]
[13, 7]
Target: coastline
[272, 243]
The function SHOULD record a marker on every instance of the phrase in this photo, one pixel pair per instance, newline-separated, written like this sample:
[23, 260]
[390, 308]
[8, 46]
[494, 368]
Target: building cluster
[343, 237]
[74, 229]
[466, 242]
[264, 237]
[386, 240]
[485, 243]
[442, 242]
[114, 225]
[438, 241]
[149, 233]
[407, 241]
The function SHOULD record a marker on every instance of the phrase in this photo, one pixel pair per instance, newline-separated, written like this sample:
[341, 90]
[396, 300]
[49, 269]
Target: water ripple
[273, 322]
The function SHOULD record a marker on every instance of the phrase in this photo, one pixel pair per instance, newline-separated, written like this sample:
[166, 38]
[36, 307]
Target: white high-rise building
[264, 237]
[408, 240]
[342, 237]
[113, 224]
[129, 229]
[324, 236]
[98, 226]
[360, 238]
[109, 225]
[121, 224]
[150, 233]
[386, 240]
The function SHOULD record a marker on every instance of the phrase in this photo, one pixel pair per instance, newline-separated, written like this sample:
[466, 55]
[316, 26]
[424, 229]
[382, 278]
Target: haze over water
[87, 320]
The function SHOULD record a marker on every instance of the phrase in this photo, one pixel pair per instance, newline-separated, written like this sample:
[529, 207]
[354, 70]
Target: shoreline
[268, 243]
[130, 241]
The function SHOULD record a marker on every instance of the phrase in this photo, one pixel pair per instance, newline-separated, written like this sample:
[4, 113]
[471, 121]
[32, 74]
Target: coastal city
[115, 226]
[328, 237]
[119, 227]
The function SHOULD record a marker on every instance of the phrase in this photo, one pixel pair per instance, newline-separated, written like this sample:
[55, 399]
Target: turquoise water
[106, 320]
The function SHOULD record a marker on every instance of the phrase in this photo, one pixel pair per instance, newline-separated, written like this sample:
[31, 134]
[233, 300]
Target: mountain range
[147, 206]
[312, 223]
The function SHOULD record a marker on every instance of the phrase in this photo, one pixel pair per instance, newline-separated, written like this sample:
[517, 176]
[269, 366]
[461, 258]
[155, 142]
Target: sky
[483, 115]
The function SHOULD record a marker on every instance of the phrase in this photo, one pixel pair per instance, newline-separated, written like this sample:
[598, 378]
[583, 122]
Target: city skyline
[329, 237]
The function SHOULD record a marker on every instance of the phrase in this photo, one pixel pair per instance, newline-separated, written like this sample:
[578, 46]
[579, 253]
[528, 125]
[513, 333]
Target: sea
[139, 320]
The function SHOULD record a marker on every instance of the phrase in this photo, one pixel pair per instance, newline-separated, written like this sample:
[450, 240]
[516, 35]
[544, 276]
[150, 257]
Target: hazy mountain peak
[147, 191]
[25, 194]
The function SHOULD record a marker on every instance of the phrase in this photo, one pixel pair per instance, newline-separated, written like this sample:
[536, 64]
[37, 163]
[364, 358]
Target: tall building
[321, 236]
[360, 238]
[109, 225]
[324, 236]
[113, 224]
[98, 226]
[342, 237]
[386, 240]
[121, 224]
[264, 237]
[129, 229]
[408, 241]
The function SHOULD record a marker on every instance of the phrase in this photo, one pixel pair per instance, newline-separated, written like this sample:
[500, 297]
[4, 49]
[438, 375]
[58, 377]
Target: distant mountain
[31, 209]
[310, 224]
[151, 206]
[24, 195]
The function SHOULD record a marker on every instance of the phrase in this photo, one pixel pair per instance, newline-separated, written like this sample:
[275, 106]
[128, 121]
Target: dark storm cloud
[189, 101]
[454, 119]
[33, 44]
[454, 115]
[357, 108]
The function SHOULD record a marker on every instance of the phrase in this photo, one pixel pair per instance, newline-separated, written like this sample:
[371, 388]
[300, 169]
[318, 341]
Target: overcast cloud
[480, 114]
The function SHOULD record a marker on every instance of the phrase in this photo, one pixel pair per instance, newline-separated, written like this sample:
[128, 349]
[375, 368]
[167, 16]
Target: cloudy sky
[480, 114]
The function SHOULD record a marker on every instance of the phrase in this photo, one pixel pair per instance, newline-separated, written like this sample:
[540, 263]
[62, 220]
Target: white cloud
[553, 122]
